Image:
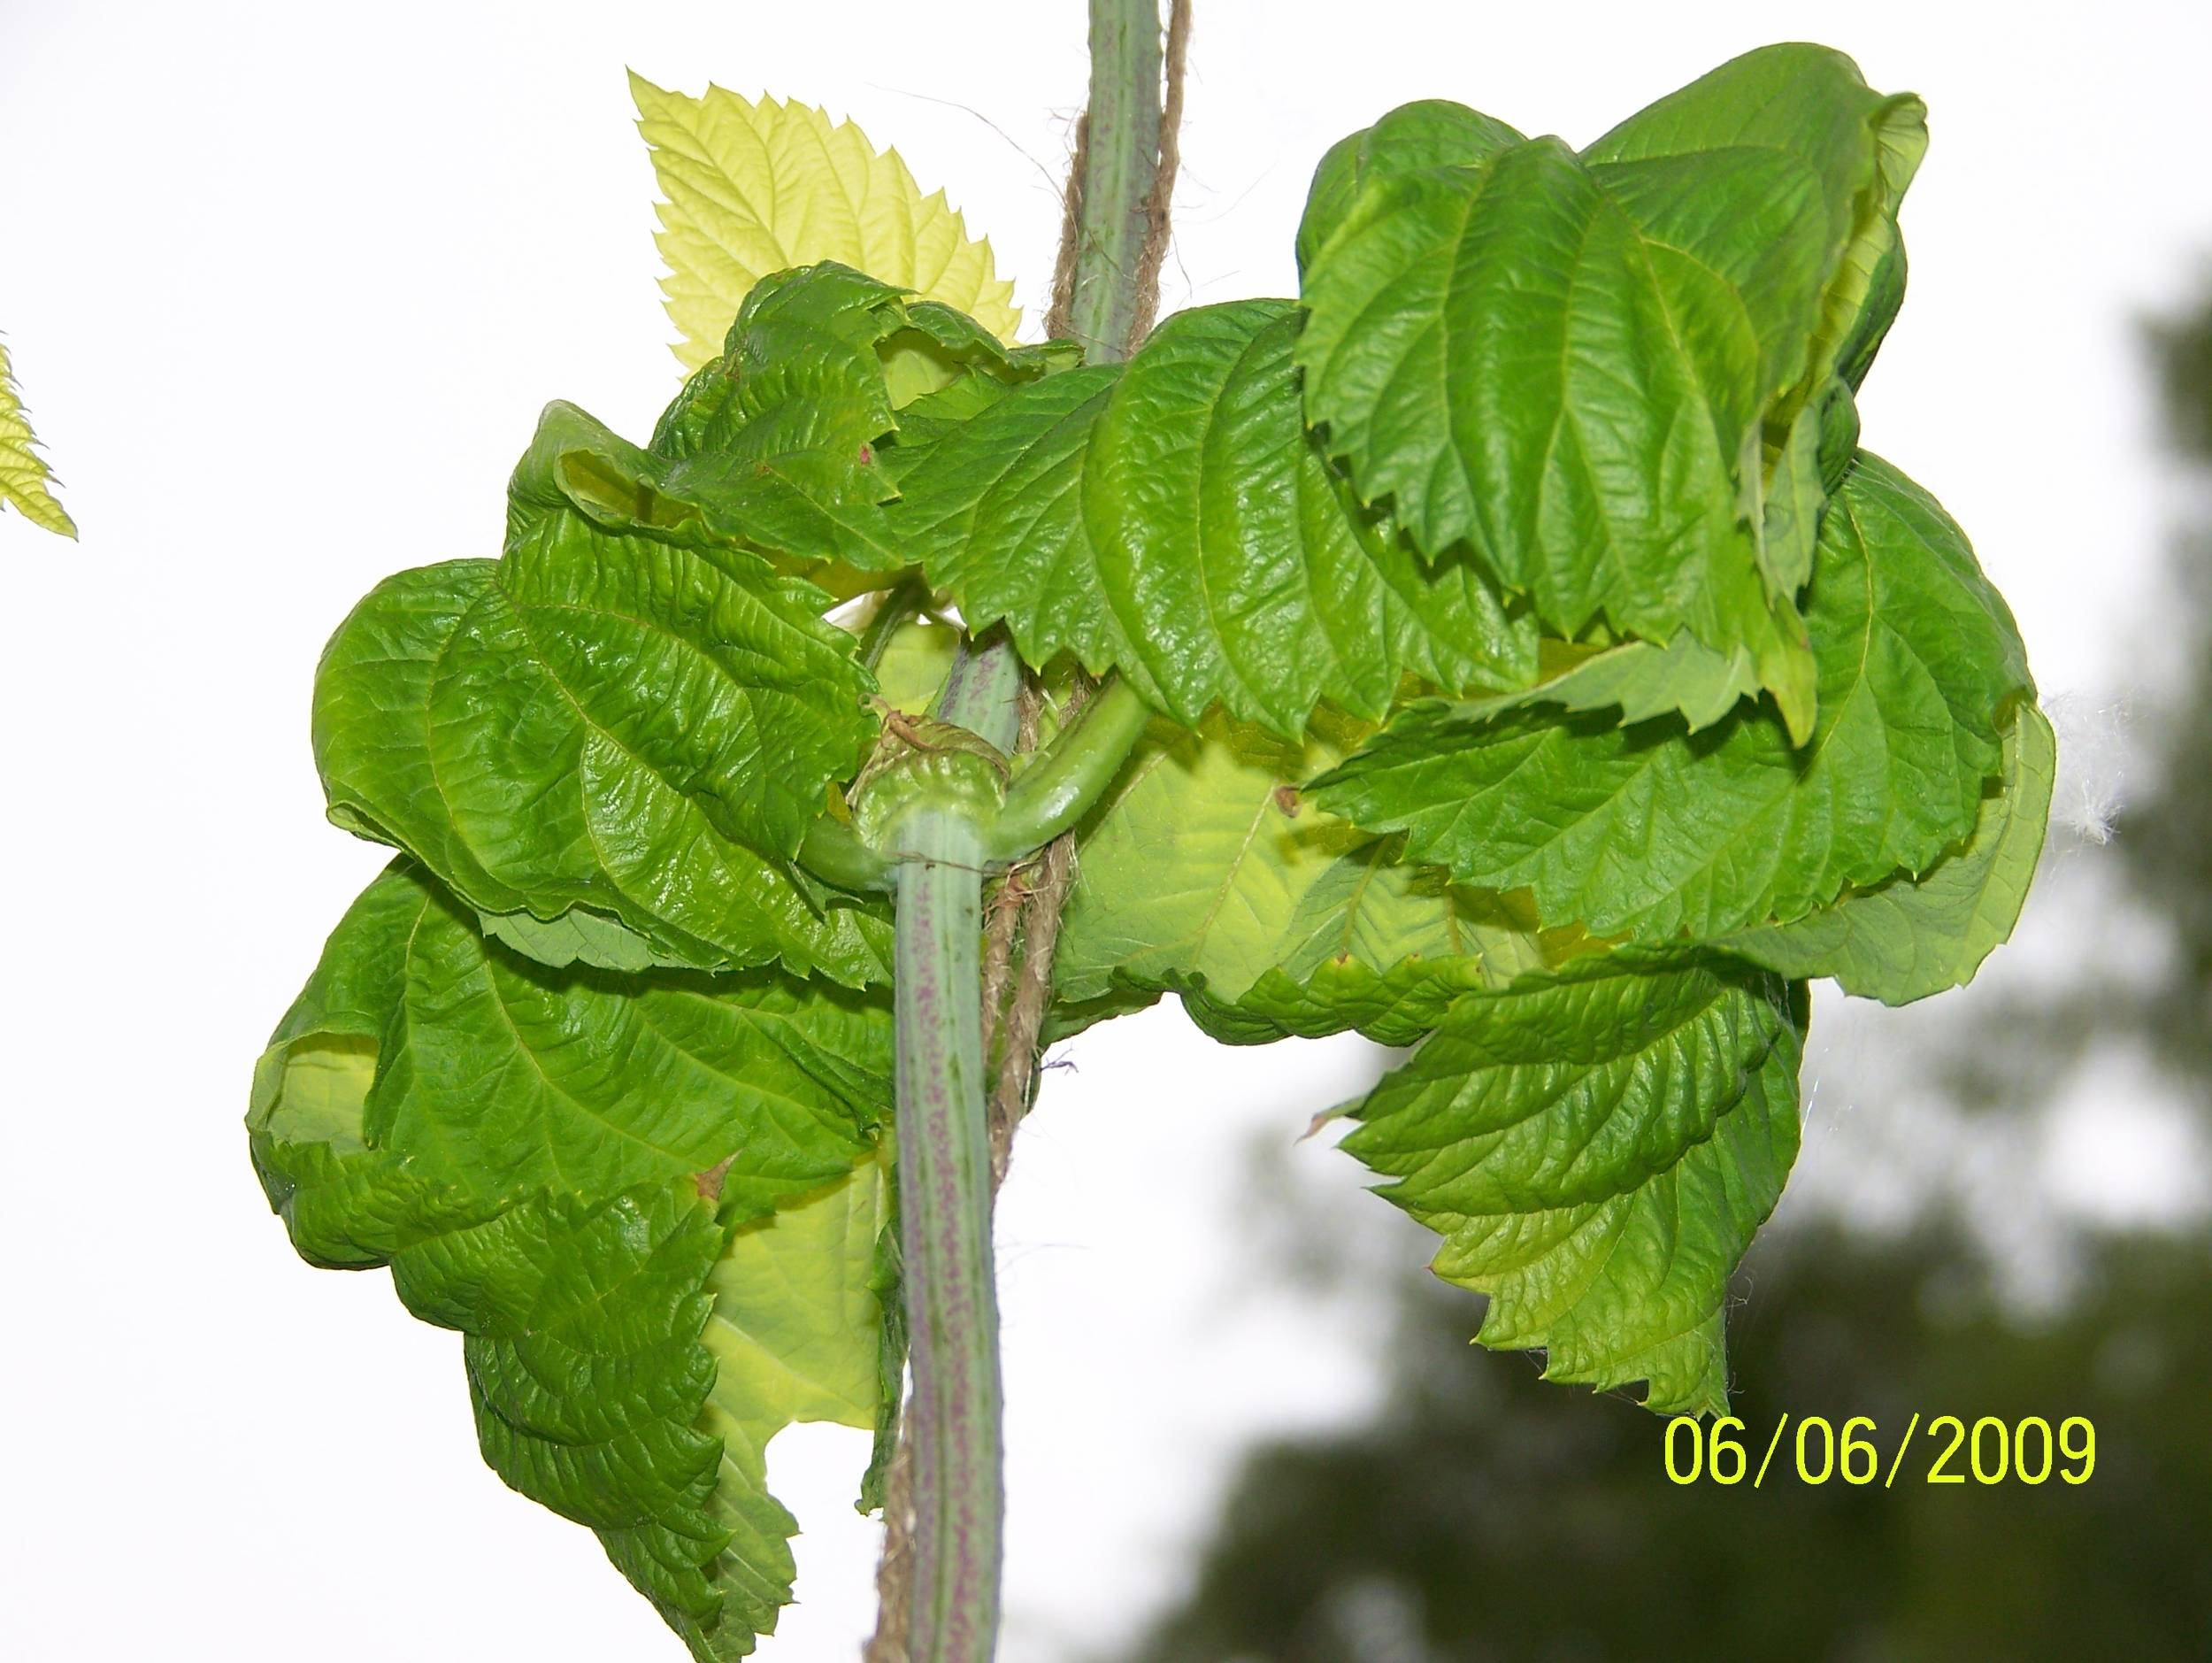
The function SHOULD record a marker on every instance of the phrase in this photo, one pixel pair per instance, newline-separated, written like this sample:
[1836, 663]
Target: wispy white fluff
[2092, 754]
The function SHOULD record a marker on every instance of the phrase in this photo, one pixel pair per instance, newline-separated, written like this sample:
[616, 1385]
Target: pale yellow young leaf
[23, 476]
[756, 187]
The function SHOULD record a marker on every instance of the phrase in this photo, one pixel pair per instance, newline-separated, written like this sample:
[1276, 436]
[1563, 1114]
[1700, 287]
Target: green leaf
[915, 663]
[1433, 133]
[778, 442]
[588, 1378]
[779, 456]
[757, 187]
[434, 1067]
[343, 1204]
[1504, 355]
[1176, 522]
[1795, 126]
[24, 482]
[1403, 945]
[629, 1362]
[1194, 866]
[1572, 362]
[1801, 115]
[979, 383]
[1645, 831]
[528, 1150]
[619, 725]
[1639, 681]
[799, 1332]
[776, 438]
[941, 347]
[1597, 1146]
[1206, 872]
[1906, 938]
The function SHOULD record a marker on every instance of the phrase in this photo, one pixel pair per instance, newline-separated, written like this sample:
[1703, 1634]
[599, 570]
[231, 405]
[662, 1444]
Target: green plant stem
[944, 1233]
[898, 608]
[1071, 776]
[835, 853]
[1120, 158]
[945, 1196]
[982, 692]
[951, 1591]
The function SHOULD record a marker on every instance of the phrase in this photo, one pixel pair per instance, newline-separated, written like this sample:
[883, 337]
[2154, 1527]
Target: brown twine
[1044, 882]
[1157, 215]
[1032, 998]
[894, 1571]
[1060, 320]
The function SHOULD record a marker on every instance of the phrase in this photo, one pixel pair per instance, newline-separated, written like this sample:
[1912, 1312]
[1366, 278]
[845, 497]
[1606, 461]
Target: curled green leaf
[608, 724]
[1651, 832]
[654, 1206]
[1587, 366]
[1907, 938]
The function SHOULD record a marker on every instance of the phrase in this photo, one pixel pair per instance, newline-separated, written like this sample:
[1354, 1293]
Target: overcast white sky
[285, 286]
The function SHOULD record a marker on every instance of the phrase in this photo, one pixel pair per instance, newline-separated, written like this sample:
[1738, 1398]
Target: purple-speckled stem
[944, 1145]
[945, 1197]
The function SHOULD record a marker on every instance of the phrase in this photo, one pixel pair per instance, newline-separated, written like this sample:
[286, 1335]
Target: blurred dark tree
[1484, 1515]
[2165, 843]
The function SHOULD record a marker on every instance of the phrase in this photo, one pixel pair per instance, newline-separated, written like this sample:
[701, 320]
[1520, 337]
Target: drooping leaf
[629, 1362]
[1573, 362]
[1393, 1006]
[943, 347]
[1796, 125]
[1176, 521]
[439, 1064]
[1648, 831]
[773, 441]
[24, 482]
[798, 1333]
[757, 187]
[529, 1151]
[979, 384]
[1906, 938]
[588, 1378]
[631, 727]
[1802, 113]
[1639, 681]
[1597, 1146]
[343, 1204]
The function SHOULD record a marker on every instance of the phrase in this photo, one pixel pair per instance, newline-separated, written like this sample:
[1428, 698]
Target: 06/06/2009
[1989, 1450]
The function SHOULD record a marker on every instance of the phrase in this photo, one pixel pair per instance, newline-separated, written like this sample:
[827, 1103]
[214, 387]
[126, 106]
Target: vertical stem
[983, 691]
[957, 1490]
[1111, 193]
[940, 1578]
[945, 1227]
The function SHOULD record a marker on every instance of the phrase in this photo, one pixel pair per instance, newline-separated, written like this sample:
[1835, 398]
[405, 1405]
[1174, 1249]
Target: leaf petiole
[1063, 785]
[837, 854]
[1069, 774]
[898, 608]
